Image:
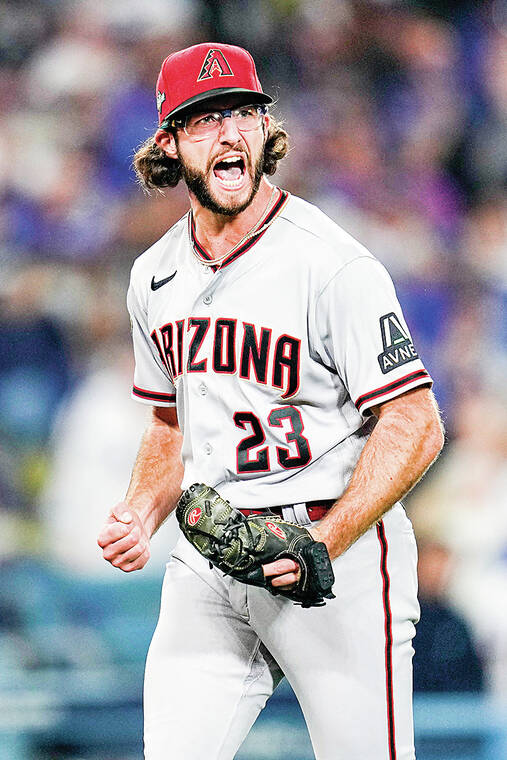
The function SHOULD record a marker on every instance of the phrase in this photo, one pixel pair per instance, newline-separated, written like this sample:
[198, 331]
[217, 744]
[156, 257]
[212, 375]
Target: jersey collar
[263, 226]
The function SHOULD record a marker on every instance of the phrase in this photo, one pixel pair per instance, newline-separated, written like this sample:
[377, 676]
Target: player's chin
[232, 194]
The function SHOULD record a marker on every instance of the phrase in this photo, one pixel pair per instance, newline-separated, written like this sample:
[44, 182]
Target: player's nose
[229, 132]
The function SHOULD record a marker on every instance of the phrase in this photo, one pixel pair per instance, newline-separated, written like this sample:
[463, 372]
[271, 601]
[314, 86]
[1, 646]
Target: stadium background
[397, 113]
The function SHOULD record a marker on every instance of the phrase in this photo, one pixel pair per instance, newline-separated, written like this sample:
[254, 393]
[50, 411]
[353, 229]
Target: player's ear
[167, 142]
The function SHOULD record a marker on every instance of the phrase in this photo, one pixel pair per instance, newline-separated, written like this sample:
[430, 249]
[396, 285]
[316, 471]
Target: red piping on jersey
[272, 213]
[400, 383]
[153, 395]
[388, 632]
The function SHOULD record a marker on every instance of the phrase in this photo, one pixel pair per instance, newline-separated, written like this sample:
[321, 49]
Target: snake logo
[215, 61]
[194, 515]
[274, 528]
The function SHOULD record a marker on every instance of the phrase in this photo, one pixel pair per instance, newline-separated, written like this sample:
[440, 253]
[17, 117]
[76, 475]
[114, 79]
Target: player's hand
[123, 539]
[284, 572]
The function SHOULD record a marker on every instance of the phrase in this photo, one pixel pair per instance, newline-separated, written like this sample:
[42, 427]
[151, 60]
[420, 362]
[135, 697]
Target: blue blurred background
[397, 113]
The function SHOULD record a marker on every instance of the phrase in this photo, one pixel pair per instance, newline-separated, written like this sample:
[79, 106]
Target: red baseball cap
[205, 71]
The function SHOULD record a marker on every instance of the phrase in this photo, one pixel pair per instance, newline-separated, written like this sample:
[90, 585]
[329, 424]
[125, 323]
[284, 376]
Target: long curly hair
[155, 170]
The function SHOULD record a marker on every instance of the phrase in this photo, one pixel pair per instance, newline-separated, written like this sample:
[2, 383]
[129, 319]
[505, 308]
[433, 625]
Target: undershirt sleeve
[363, 335]
[152, 384]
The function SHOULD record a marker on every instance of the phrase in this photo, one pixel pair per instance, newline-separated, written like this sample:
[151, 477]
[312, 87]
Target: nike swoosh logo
[157, 285]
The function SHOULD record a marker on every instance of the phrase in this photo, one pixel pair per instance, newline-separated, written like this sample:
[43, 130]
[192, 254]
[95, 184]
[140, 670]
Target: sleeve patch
[397, 343]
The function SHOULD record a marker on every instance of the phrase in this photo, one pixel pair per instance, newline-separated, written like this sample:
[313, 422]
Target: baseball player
[281, 372]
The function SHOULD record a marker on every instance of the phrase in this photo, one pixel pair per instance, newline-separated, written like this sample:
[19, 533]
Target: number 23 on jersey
[296, 454]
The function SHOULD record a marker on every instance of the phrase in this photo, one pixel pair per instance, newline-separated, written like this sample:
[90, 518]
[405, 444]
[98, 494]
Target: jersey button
[203, 389]
[208, 448]
[207, 299]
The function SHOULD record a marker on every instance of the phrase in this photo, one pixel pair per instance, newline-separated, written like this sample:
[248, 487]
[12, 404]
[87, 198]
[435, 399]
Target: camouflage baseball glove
[240, 546]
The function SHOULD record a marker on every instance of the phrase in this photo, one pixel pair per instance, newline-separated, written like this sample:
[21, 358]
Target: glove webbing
[231, 529]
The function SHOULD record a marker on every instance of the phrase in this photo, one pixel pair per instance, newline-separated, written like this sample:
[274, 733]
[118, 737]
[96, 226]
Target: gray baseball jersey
[275, 359]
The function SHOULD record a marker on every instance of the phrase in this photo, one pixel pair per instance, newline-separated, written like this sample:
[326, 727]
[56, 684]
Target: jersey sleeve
[152, 384]
[364, 337]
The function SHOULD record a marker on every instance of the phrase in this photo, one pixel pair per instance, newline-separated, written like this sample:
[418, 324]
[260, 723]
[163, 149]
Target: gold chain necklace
[256, 229]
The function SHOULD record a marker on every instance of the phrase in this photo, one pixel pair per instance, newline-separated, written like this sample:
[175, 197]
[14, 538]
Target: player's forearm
[155, 484]
[406, 440]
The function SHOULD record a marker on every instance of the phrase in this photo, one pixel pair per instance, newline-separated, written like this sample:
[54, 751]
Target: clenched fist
[123, 539]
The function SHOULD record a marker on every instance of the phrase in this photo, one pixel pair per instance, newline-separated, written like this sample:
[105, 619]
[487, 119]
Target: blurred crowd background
[397, 113]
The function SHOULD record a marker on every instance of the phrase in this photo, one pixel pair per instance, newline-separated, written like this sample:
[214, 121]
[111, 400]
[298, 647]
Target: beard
[198, 184]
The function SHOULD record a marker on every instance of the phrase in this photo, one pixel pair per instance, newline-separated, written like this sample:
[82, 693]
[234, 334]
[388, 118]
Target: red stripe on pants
[388, 638]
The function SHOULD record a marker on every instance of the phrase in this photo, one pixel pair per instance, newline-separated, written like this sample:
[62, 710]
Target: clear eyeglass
[245, 118]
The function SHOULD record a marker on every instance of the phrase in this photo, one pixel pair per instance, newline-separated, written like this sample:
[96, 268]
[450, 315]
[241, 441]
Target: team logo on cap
[215, 61]
[160, 100]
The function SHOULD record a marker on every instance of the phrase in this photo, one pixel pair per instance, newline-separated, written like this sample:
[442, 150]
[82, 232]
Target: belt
[316, 509]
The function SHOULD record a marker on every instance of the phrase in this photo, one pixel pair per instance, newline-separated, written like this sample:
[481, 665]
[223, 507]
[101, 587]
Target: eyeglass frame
[224, 113]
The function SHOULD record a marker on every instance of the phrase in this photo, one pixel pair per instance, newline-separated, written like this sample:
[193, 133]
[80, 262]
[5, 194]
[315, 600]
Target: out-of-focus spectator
[445, 655]
[35, 368]
[487, 153]
[94, 445]
[462, 507]
[485, 239]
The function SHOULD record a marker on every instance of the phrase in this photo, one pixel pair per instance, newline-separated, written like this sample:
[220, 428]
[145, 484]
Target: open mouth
[230, 172]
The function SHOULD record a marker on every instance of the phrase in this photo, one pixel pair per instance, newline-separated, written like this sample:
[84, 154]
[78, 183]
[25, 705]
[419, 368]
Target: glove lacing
[231, 533]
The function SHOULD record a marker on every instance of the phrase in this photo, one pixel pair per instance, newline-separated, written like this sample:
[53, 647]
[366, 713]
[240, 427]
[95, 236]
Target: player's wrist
[141, 510]
[322, 533]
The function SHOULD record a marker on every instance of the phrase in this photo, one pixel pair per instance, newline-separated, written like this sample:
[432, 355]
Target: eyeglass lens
[246, 118]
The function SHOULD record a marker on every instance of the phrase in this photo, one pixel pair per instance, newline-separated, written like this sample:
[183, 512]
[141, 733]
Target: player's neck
[219, 233]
